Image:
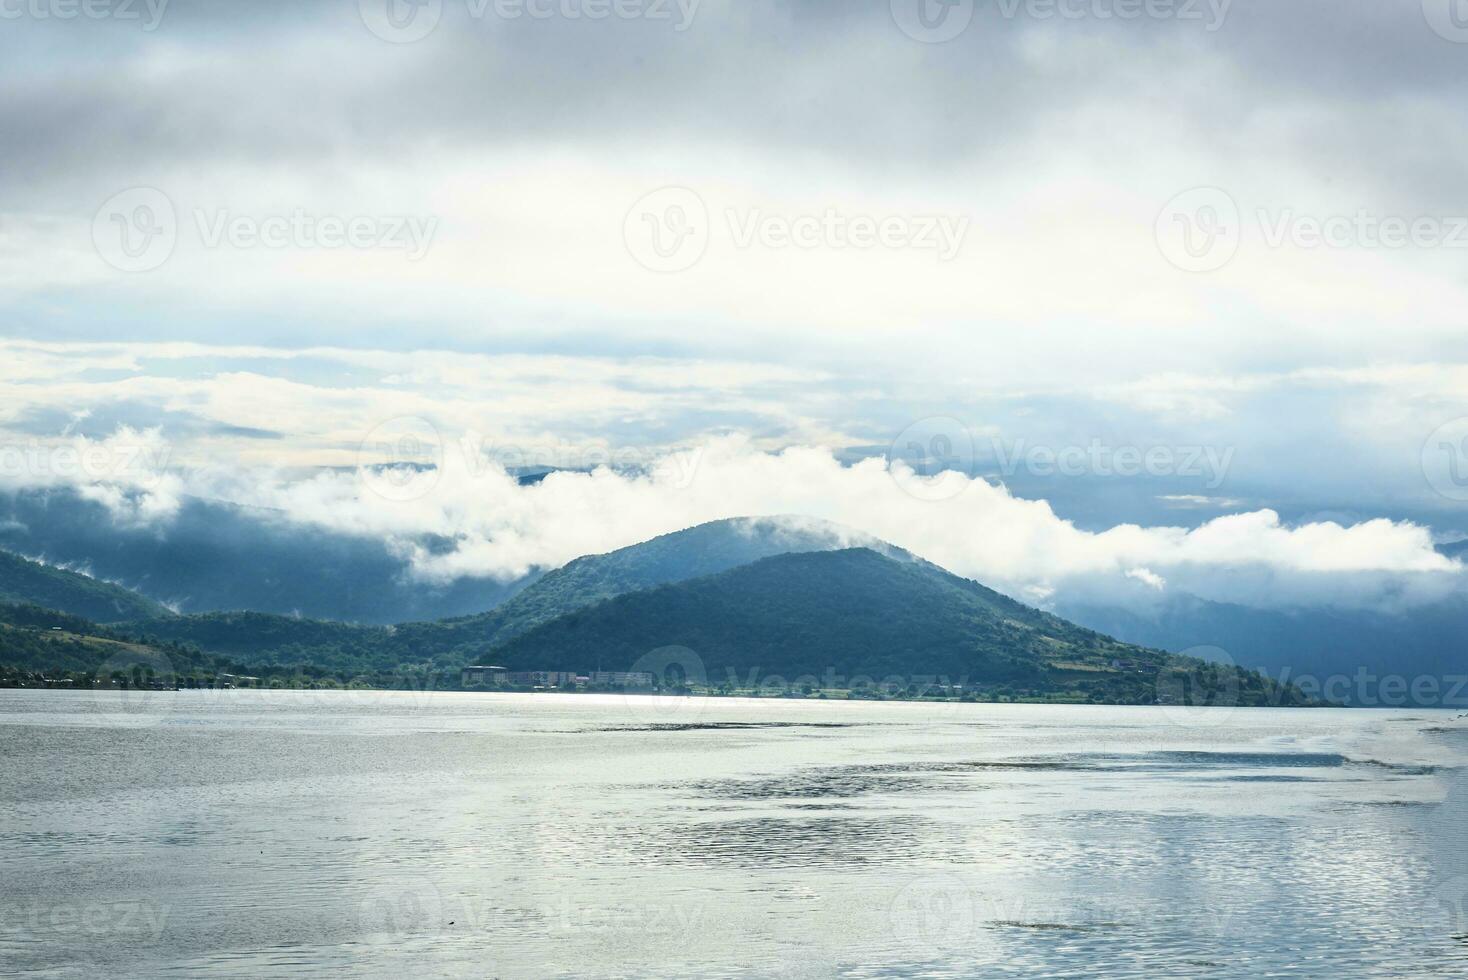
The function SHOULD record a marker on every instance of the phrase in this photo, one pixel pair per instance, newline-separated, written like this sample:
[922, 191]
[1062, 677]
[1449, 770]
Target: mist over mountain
[1425, 647]
[844, 616]
[214, 556]
[1318, 642]
[676, 557]
[833, 616]
[1455, 549]
[691, 553]
[24, 581]
[300, 583]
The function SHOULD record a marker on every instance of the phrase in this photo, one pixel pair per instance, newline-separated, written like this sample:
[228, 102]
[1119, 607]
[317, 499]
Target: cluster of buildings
[472, 677]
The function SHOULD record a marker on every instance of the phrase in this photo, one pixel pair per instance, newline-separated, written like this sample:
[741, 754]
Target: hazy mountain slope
[853, 613]
[212, 556]
[682, 555]
[24, 581]
[1428, 642]
[1455, 549]
[672, 557]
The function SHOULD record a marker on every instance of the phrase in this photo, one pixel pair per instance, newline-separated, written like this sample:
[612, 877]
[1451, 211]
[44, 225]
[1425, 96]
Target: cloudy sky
[1188, 279]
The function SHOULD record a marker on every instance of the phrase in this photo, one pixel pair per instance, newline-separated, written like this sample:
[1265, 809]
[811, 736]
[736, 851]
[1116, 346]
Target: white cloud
[503, 529]
[1148, 578]
[1317, 440]
[127, 472]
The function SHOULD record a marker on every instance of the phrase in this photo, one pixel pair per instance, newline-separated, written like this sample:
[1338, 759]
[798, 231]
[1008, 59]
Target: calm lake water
[254, 834]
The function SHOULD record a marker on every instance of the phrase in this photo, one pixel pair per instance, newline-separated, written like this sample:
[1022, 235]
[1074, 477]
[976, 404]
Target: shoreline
[1457, 712]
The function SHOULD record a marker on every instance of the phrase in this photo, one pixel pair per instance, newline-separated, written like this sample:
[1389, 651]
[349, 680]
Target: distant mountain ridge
[1455, 549]
[856, 613]
[25, 581]
[1315, 642]
[213, 556]
[828, 618]
[680, 555]
[1425, 644]
[694, 552]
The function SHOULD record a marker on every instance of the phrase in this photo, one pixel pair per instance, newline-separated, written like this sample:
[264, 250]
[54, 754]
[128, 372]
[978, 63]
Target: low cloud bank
[462, 515]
